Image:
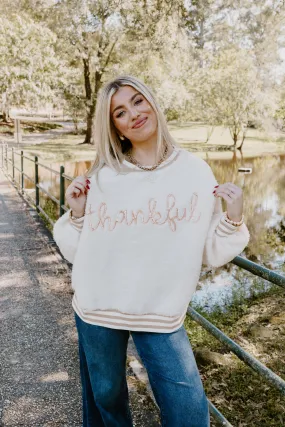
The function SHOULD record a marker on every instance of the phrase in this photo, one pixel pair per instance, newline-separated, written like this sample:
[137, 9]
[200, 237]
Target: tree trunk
[6, 116]
[89, 104]
[91, 99]
[243, 138]
[90, 118]
[5, 107]
[89, 139]
[75, 122]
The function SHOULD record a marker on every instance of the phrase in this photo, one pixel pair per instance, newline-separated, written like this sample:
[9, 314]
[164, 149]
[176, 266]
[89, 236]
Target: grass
[7, 128]
[244, 397]
[190, 135]
[67, 148]
[51, 209]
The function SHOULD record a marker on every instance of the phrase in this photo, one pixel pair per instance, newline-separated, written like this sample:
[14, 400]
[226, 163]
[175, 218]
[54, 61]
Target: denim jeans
[171, 368]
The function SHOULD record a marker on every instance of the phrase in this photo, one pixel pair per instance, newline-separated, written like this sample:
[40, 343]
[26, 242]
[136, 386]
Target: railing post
[13, 166]
[37, 184]
[61, 191]
[6, 157]
[22, 170]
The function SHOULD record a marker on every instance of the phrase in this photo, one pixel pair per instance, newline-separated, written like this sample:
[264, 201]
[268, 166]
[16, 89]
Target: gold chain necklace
[135, 162]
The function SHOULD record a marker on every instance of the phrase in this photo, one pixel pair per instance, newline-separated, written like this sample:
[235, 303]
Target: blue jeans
[171, 368]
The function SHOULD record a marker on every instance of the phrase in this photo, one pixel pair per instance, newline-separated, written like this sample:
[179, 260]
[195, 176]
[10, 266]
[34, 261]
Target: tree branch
[109, 55]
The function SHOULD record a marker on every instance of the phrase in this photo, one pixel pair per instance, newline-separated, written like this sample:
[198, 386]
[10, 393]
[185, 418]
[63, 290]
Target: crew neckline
[172, 156]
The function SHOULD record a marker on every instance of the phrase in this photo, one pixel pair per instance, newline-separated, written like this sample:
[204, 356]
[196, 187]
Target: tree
[30, 72]
[74, 99]
[215, 28]
[232, 93]
[162, 62]
[99, 33]
[205, 59]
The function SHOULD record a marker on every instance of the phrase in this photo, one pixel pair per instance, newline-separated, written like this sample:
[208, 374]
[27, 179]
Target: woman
[139, 228]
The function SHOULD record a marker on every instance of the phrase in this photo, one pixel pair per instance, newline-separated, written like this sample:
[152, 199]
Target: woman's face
[132, 115]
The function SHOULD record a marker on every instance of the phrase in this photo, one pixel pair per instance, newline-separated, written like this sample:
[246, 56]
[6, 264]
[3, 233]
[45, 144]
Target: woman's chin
[144, 136]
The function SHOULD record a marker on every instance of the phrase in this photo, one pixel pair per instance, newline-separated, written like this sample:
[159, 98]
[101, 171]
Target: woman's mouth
[139, 123]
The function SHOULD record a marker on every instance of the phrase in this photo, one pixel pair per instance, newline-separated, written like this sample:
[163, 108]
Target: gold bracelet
[236, 224]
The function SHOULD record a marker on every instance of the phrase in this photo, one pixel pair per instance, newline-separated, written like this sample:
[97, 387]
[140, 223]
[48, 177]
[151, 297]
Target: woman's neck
[145, 152]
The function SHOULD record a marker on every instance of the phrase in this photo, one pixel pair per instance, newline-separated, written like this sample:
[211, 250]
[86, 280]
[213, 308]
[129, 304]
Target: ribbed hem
[224, 229]
[133, 322]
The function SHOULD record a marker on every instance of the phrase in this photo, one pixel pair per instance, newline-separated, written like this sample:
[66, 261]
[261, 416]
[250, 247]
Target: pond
[264, 209]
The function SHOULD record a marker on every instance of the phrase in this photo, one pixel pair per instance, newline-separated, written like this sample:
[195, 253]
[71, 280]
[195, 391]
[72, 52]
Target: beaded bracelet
[74, 218]
[236, 224]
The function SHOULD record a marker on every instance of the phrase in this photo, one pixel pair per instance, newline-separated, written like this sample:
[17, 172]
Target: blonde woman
[140, 225]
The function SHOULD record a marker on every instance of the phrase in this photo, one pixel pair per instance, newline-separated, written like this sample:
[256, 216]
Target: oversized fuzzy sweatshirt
[138, 251]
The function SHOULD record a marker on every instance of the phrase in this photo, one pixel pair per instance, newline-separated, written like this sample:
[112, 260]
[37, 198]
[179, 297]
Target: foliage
[205, 59]
[237, 391]
[233, 93]
[30, 72]
[51, 209]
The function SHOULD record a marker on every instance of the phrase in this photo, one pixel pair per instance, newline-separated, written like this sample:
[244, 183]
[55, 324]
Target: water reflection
[264, 196]
[264, 209]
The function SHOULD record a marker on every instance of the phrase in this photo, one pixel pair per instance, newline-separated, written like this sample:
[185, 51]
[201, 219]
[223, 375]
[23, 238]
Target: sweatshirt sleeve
[224, 241]
[66, 233]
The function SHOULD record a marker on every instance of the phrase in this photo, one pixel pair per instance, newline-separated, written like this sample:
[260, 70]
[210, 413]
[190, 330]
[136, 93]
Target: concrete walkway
[39, 380]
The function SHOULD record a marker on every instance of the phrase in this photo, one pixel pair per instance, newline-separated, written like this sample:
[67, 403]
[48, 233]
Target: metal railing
[9, 166]
[257, 270]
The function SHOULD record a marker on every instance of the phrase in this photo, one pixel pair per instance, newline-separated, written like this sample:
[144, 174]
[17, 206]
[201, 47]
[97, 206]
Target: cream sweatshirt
[138, 251]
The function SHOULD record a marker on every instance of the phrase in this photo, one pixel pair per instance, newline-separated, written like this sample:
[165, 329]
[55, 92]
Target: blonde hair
[110, 149]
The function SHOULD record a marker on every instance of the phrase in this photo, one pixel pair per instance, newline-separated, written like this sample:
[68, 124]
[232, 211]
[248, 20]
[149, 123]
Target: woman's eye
[138, 101]
[120, 114]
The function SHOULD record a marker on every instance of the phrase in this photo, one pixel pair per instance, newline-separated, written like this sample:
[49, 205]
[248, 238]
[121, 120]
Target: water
[264, 209]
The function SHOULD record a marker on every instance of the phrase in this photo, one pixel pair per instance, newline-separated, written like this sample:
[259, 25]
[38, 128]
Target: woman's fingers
[230, 189]
[233, 196]
[73, 191]
[78, 186]
[225, 196]
[226, 193]
[76, 192]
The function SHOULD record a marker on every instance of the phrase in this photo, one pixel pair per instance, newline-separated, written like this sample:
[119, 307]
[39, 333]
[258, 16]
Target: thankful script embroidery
[171, 216]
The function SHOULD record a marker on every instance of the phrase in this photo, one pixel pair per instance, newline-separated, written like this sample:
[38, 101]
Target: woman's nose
[134, 113]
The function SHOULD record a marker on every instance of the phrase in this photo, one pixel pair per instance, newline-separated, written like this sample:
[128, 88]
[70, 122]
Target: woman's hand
[233, 196]
[76, 195]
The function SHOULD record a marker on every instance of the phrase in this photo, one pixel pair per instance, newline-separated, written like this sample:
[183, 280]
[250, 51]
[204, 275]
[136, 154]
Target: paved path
[39, 379]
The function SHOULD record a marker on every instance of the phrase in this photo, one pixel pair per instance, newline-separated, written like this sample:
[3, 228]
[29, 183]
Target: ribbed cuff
[77, 223]
[224, 229]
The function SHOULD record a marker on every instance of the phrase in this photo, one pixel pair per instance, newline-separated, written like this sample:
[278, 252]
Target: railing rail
[251, 361]
[6, 161]
[243, 263]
